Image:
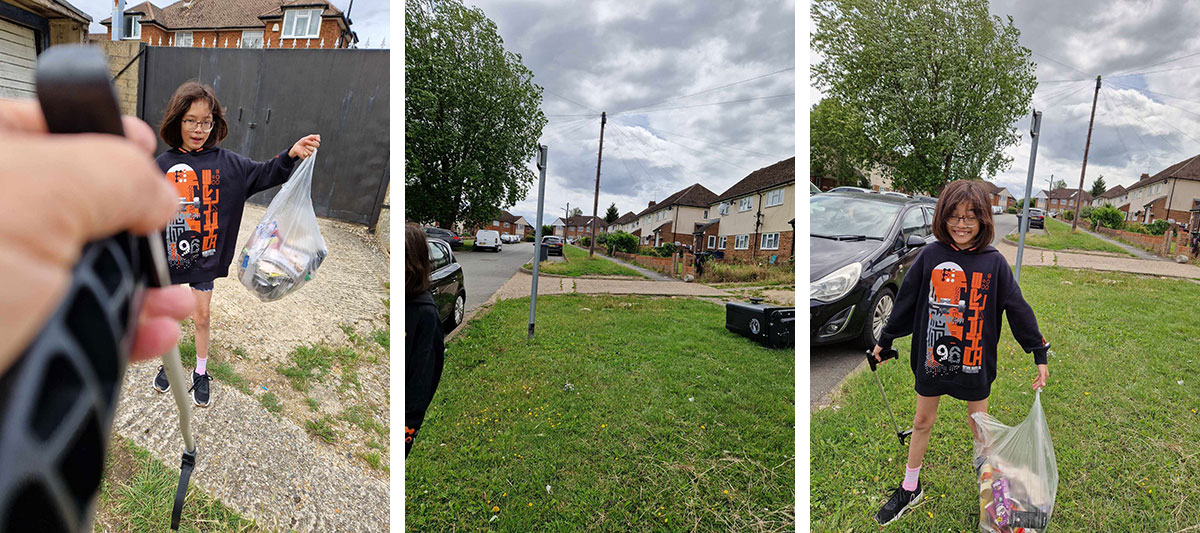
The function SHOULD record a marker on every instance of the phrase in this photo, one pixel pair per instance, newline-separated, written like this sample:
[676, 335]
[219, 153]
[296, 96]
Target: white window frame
[722, 242]
[774, 198]
[133, 27]
[773, 240]
[723, 209]
[745, 204]
[294, 15]
[179, 39]
[712, 242]
[255, 38]
[705, 216]
[741, 242]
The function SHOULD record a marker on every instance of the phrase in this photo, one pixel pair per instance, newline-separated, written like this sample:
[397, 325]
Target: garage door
[17, 58]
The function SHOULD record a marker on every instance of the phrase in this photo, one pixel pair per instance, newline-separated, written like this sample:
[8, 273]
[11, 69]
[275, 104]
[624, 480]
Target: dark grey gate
[274, 96]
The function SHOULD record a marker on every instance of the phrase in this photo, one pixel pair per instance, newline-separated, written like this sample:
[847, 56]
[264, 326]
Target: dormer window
[130, 27]
[301, 23]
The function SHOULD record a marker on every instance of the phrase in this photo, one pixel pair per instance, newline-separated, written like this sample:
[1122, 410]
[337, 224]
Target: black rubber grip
[884, 355]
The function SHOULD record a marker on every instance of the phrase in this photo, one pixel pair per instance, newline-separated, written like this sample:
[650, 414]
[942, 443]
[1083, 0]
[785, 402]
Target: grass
[364, 418]
[374, 460]
[312, 362]
[138, 491]
[382, 337]
[313, 404]
[221, 370]
[270, 402]
[1060, 237]
[323, 429]
[638, 413]
[579, 264]
[1124, 427]
[780, 273]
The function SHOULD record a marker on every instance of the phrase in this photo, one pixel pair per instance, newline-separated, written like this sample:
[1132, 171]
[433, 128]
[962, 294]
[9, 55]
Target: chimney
[651, 203]
[1144, 176]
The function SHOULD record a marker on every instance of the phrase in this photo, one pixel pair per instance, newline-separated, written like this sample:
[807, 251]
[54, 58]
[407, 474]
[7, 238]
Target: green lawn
[1061, 238]
[623, 414]
[579, 264]
[1122, 402]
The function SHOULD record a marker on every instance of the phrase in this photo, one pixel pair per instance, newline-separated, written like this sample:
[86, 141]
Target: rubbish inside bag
[1018, 478]
[286, 247]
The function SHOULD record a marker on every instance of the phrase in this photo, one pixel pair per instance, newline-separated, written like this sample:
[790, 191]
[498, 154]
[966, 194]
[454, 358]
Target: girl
[951, 300]
[213, 184]
[424, 351]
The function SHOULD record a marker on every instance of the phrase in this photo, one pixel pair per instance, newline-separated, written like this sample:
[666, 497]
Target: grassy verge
[138, 492]
[778, 274]
[623, 413]
[1122, 403]
[1060, 237]
[579, 264]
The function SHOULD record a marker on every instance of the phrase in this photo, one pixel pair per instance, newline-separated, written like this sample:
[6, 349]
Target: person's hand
[876, 351]
[306, 146]
[61, 192]
[1040, 380]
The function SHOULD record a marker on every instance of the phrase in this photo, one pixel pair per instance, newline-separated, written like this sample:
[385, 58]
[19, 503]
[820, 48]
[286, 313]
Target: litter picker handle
[884, 355]
[58, 399]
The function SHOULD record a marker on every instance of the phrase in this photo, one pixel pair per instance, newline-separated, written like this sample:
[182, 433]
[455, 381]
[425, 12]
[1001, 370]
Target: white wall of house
[741, 222]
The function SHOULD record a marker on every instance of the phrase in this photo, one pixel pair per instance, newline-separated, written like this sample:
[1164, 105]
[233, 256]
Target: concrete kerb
[836, 392]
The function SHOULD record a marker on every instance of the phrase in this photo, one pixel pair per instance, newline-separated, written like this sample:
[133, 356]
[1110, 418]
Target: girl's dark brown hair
[172, 122]
[973, 194]
[416, 261]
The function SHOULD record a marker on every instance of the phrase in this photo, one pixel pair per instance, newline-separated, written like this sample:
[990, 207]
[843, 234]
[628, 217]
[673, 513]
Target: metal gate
[272, 97]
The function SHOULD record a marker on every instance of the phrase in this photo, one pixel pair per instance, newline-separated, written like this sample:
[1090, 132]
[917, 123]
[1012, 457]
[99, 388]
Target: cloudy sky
[1148, 113]
[370, 17]
[636, 60]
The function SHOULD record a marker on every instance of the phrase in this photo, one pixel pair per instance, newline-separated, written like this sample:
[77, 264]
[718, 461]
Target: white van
[486, 238]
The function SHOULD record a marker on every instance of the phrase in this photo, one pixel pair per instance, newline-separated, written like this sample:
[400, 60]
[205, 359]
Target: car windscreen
[832, 215]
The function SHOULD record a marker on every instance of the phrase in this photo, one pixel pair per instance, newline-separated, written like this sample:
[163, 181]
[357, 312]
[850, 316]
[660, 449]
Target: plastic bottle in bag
[1019, 476]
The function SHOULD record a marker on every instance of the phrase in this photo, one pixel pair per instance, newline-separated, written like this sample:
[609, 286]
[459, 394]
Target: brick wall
[330, 31]
[753, 253]
[658, 264]
[1154, 243]
[119, 54]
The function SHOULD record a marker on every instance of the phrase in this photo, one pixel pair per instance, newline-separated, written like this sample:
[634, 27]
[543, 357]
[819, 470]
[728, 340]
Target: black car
[553, 245]
[861, 246]
[1037, 217]
[450, 237]
[448, 287]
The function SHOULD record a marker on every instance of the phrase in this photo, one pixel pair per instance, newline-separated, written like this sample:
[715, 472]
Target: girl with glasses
[213, 184]
[951, 302]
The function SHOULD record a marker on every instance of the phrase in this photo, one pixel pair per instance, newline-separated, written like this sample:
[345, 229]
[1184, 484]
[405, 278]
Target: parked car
[813, 189]
[860, 249]
[450, 237]
[488, 239]
[1037, 218]
[997, 210]
[897, 194]
[846, 188]
[512, 238]
[553, 244]
[448, 286]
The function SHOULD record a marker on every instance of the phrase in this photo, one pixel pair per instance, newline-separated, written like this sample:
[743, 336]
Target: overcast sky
[623, 55]
[1132, 45]
[369, 17]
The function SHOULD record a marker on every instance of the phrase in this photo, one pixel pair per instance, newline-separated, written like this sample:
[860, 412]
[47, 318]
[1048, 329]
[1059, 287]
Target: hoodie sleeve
[267, 174]
[1020, 317]
[900, 323]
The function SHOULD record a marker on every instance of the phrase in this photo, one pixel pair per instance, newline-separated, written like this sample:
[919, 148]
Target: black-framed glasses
[190, 125]
[969, 221]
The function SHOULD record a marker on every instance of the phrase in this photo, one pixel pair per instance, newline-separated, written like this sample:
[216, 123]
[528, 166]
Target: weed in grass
[364, 419]
[374, 444]
[225, 373]
[312, 403]
[374, 459]
[323, 429]
[270, 402]
[239, 352]
[314, 362]
[382, 337]
[355, 338]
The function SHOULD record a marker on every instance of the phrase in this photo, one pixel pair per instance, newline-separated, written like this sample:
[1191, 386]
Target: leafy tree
[941, 83]
[1158, 227]
[472, 116]
[1108, 216]
[1058, 184]
[1098, 187]
[577, 212]
[612, 214]
[622, 242]
[547, 229]
[838, 145]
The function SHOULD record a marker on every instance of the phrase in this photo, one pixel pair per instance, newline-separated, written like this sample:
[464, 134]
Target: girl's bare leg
[922, 427]
[201, 317]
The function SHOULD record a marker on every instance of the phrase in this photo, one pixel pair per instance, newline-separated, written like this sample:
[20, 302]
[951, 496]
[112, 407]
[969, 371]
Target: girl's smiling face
[963, 225]
[195, 122]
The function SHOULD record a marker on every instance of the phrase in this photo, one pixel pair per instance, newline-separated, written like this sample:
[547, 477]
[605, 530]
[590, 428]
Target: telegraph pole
[1086, 146]
[1034, 131]
[537, 239]
[596, 197]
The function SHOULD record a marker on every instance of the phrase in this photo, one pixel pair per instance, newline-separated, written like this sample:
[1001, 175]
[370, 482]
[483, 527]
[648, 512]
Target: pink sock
[910, 478]
[202, 368]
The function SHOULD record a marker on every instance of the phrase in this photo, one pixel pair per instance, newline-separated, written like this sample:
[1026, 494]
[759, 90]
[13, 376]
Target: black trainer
[160, 381]
[901, 501]
[200, 389]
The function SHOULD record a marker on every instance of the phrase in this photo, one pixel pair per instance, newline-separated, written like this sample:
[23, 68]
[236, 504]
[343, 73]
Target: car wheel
[880, 311]
[456, 315]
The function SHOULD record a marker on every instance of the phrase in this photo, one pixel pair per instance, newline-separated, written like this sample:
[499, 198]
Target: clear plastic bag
[1019, 476]
[286, 247]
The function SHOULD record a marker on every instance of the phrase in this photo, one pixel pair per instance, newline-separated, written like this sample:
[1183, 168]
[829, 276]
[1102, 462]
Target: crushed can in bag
[286, 247]
[1019, 475]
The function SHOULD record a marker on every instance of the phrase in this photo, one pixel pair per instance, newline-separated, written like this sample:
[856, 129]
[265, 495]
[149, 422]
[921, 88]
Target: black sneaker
[901, 501]
[200, 389]
[160, 381]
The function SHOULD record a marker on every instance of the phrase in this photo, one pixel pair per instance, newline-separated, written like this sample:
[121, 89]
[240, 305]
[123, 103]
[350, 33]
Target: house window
[712, 241]
[741, 242]
[774, 198]
[721, 244]
[252, 39]
[301, 23]
[705, 216]
[723, 209]
[746, 204]
[506, 225]
[495, 222]
[770, 241]
[131, 28]
[183, 38]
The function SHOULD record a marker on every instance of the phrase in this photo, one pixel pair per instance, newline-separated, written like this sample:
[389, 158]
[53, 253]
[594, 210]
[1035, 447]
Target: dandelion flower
[495, 509]
[531, 504]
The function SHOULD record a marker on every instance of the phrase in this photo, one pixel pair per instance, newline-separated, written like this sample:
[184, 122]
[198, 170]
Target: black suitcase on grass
[769, 325]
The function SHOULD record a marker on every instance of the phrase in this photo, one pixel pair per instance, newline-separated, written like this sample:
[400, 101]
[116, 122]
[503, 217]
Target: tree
[838, 145]
[1098, 187]
[940, 83]
[547, 229]
[612, 214]
[576, 212]
[472, 116]
[1058, 184]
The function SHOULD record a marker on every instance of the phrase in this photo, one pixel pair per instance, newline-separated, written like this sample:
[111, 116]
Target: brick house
[506, 222]
[1059, 200]
[578, 227]
[238, 24]
[1167, 195]
[672, 219]
[625, 223]
[998, 195]
[27, 28]
[756, 216]
[1112, 197]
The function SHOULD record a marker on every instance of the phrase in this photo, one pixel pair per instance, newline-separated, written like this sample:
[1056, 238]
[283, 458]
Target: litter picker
[884, 355]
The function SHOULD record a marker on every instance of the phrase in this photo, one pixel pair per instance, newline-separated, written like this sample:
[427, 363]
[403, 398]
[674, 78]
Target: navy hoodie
[424, 356]
[201, 240]
[950, 302]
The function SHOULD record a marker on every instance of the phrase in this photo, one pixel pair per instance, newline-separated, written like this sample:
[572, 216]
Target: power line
[1065, 96]
[1135, 132]
[1160, 119]
[1154, 71]
[1059, 62]
[699, 140]
[1051, 95]
[1160, 94]
[710, 104]
[707, 90]
[570, 100]
[1160, 63]
[704, 154]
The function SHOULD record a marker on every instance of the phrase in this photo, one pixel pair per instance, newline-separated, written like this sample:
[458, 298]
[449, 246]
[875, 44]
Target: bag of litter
[1019, 476]
[286, 247]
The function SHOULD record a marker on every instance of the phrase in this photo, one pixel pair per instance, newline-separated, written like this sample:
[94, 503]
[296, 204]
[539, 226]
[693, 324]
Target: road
[832, 363]
[485, 272]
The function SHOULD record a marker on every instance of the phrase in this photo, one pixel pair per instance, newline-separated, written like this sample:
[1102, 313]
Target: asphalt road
[831, 364]
[485, 272]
